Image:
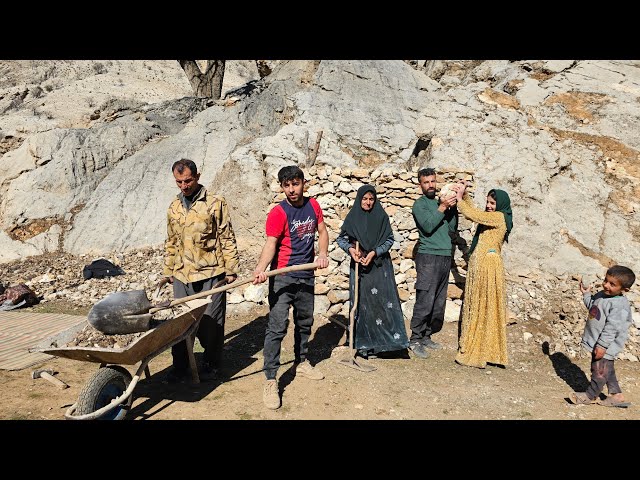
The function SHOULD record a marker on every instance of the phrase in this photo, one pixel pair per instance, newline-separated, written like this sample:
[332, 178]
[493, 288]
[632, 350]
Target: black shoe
[427, 342]
[367, 355]
[418, 350]
[177, 376]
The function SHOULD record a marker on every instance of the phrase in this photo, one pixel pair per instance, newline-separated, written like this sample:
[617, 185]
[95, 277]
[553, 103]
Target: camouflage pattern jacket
[200, 241]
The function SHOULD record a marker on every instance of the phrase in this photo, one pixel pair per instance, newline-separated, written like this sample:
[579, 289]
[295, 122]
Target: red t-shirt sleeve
[276, 222]
[317, 209]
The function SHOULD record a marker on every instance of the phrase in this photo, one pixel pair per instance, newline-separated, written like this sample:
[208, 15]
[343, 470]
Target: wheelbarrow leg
[192, 359]
[147, 372]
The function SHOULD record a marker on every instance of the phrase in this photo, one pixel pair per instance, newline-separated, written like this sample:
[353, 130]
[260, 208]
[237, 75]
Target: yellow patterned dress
[484, 311]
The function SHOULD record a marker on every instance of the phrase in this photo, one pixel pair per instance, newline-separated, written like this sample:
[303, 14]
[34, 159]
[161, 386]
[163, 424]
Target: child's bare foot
[615, 400]
[618, 397]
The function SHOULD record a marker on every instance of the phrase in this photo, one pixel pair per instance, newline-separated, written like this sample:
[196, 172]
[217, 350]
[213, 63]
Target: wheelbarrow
[108, 393]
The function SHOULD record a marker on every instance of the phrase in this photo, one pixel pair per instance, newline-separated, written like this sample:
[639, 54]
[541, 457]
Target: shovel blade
[120, 313]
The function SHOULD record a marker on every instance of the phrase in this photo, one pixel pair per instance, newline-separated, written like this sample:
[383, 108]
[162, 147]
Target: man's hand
[322, 261]
[166, 280]
[369, 258]
[231, 278]
[598, 352]
[446, 203]
[259, 277]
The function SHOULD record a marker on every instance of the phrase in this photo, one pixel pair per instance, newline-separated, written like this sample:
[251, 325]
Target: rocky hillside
[86, 149]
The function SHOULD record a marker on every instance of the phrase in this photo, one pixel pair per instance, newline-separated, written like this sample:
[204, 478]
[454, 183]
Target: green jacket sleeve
[425, 218]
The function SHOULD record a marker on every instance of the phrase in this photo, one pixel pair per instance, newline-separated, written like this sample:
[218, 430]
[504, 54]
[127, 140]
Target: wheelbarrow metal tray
[152, 341]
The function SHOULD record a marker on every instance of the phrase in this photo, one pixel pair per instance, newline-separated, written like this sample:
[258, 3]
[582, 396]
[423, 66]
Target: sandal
[610, 401]
[580, 398]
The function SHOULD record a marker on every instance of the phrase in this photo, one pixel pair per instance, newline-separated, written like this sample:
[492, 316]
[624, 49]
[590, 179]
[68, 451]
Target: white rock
[401, 277]
[451, 312]
[345, 187]
[321, 305]
[407, 309]
[235, 297]
[256, 293]
[405, 265]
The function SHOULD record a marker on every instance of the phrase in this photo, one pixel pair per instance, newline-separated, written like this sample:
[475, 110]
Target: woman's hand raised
[460, 187]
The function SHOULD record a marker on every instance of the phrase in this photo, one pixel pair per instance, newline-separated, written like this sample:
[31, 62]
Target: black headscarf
[370, 228]
[503, 204]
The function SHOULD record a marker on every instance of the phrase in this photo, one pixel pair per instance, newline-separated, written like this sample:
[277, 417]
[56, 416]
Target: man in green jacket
[435, 220]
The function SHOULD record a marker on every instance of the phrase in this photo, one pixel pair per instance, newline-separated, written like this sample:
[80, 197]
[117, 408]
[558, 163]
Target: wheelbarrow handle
[159, 286]
[271, 273]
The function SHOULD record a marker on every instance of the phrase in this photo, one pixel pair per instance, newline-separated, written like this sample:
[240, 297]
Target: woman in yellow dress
[483, 337]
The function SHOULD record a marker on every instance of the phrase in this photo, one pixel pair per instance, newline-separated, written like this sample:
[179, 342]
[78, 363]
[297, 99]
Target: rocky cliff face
[86, 149]
[87, 146]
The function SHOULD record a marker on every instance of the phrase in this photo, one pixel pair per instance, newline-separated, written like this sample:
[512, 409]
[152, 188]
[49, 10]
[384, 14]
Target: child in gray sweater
[605, 334]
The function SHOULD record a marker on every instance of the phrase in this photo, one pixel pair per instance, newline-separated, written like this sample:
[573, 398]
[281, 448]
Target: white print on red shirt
[304, 229]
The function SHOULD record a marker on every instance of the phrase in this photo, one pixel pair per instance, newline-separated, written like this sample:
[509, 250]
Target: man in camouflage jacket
[201, 252]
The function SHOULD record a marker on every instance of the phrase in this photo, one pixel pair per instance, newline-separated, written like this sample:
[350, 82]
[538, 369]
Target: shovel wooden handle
[271, 273]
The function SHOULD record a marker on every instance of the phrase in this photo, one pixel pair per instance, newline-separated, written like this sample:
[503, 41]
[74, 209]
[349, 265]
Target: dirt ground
[534, 386]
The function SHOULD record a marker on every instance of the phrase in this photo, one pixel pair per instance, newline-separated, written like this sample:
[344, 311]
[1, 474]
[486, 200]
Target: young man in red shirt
[291, 227]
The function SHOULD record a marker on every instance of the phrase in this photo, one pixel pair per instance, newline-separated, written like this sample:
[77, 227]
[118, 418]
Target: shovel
[351, 361]
[130, 312]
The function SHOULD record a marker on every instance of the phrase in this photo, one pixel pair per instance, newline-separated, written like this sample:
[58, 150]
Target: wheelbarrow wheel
[105, 385]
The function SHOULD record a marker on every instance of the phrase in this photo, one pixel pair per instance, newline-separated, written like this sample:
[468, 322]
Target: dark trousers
[602, 373]
[211, 329]
[285, 291]
[431, 295]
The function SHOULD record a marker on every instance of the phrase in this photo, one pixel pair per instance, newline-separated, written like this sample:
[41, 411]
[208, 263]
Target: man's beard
[430, 194]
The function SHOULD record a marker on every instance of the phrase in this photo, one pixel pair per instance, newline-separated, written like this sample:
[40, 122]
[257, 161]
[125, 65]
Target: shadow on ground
[241, 346]
[568, 371]
[324, 340]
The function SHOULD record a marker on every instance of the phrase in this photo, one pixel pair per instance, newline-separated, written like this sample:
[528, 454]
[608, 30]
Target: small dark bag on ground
[101, 268]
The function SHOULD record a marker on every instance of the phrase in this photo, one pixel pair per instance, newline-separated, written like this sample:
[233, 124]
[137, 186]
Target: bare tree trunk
[263, 68]
[208, 83]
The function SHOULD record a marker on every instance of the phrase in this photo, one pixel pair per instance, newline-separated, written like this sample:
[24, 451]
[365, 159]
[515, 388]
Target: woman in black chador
[379, 324]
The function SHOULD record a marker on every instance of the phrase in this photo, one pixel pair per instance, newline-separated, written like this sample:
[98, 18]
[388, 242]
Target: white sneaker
[305, 369]
[270, 395]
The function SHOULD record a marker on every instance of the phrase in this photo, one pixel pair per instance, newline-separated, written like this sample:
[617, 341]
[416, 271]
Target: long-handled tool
[351, 361]
[131, 312]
